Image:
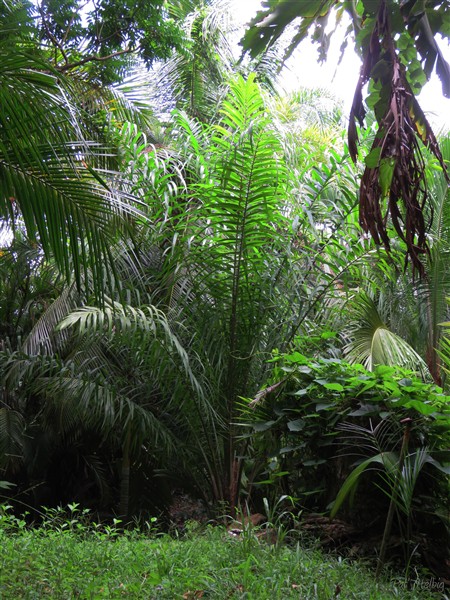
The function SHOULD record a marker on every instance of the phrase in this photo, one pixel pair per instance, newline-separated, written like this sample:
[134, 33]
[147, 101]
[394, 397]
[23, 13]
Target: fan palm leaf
[372, 343]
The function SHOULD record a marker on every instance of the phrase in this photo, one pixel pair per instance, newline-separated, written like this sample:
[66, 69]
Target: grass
[66, 558]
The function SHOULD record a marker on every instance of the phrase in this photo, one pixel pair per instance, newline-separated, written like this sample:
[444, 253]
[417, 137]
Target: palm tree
[394, 304]
[239, 264]
[111, 393]
[58, 154]
[218, 234]
[195, 80]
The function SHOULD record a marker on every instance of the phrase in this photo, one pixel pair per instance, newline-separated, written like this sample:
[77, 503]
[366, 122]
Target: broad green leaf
[373, 158]
[336, 387]
[387, 168]
[297, 425]
[259, 427]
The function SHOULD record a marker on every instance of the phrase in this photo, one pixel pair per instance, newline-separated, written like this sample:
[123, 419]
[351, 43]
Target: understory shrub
[333, 435]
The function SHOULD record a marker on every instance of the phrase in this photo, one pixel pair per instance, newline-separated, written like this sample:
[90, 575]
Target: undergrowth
[70, 556]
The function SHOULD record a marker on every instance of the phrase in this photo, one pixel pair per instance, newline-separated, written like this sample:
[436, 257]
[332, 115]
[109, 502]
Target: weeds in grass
[72, 557]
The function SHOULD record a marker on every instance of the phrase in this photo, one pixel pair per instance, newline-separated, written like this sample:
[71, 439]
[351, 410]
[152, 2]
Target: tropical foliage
[396, 41]
[321, 424]
[188, 301]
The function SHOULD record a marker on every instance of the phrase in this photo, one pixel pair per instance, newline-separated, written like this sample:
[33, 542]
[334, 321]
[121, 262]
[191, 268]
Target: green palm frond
[386, 459]
[116, 317]
[372, 343]
[412, 468]
[43, 337]
[49, 170]
[114, 105]
[376, 438]
[20, 371]
[27, 282]
[310, 107]
[224, 260]
[376, 447]
[119, 319]
[231, 246]
[197, 77]
[242, 201]
[88, 401]
[73, 399]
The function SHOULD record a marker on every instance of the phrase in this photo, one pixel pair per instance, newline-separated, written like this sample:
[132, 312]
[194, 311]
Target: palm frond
[197, 77]
[362, 442]
[372, 343]
[43, 337]
[115, 318]
[411, 470]
[89, 400]
[48, 169]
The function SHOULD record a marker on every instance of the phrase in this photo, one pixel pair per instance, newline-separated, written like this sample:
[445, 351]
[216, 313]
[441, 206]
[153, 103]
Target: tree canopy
[99, 39]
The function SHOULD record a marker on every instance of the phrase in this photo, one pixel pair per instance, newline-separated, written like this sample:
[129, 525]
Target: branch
[50, 35]
[92, 58]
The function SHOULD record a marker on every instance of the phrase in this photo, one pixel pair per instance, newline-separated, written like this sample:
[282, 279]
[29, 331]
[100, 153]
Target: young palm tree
[234, 267]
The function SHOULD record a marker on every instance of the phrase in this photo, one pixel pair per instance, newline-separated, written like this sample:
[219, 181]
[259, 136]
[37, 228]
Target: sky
[303, 70]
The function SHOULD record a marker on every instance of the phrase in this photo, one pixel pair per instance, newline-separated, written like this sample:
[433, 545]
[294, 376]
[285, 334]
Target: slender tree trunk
[124, 504]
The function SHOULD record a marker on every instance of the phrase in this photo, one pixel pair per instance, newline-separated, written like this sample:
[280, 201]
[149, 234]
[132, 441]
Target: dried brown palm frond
[393, 186]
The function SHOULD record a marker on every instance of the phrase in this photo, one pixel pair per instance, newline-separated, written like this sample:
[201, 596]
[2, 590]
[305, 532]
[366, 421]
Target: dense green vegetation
[188, 302]
[67, 559]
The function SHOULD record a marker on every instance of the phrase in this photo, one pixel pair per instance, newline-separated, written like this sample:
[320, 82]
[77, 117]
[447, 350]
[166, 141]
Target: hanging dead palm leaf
[396, 40]
[394, 181]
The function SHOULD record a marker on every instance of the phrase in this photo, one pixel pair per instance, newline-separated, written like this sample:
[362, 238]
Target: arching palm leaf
[49, 169]
[197, 77]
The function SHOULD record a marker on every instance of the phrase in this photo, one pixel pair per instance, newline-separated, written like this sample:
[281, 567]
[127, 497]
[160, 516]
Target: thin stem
[390, 515]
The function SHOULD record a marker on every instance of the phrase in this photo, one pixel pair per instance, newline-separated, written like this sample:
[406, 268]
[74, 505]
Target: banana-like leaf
[275, 17]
